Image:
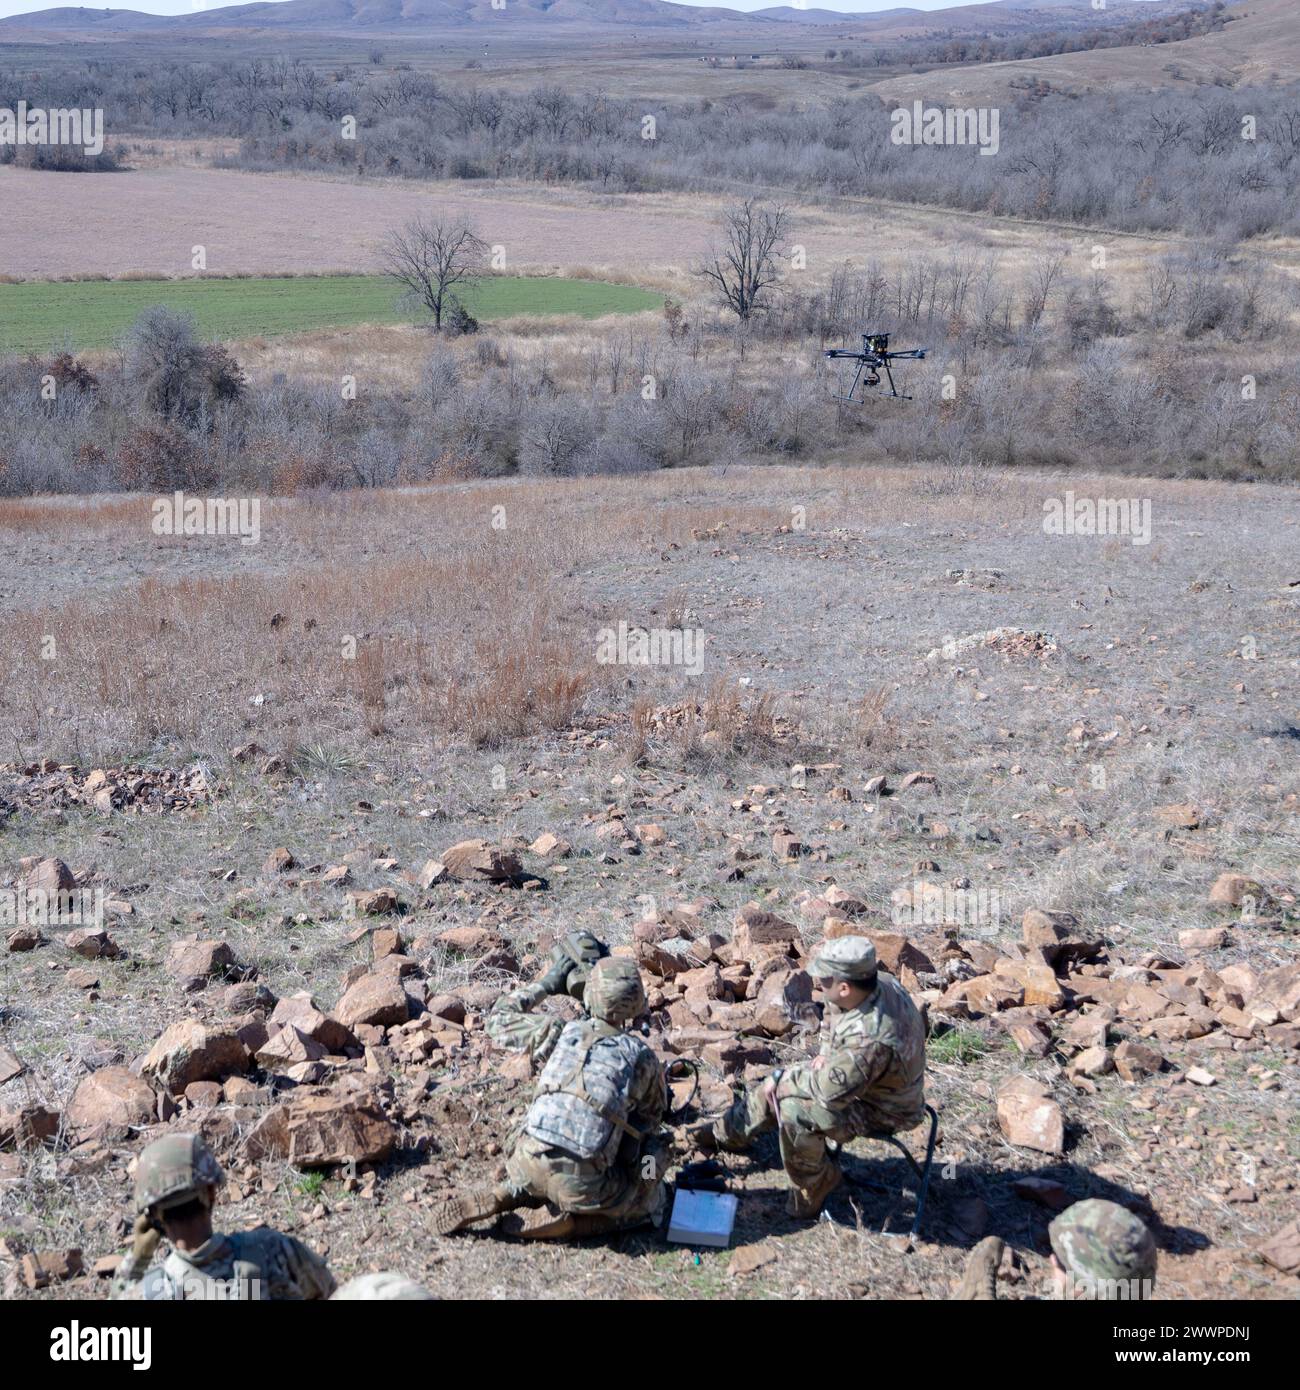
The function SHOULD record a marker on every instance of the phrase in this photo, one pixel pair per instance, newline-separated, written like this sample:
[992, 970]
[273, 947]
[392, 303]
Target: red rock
[1280, 988]
[448, 1006]
[1203, 939]
[1028, 1116]
[923, 781]
[1183, 816]
[324, 1130]
[386, 941]
[548, 846]
[377, 1000]
[1056, 937]
[51, 1267]
[784, 999]
[192, 963]
[1282, 1249]
[91, 943]
[299, 1011]
[190, 1051]
[379, 902]
[479, 862]
[10, 1065]
[111, 1098]
[29, 1127]
[286, 1048]
[1134, 1062]
[434, 871]
[759, 932]
[1045, 1191]
[279, 861]
[50, 878]
[203, 1095]
[1231, 890]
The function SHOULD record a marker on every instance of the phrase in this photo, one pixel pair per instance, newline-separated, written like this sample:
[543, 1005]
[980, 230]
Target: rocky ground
[1055, 785]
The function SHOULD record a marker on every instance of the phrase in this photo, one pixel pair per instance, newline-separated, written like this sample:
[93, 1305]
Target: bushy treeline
[1197, 160]
[1002, 48]
[1038, 367]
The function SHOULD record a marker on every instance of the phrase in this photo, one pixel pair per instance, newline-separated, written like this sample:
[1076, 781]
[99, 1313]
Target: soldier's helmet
[614, 990]
[851, 958]
[173, 1171]
[584, 950]
[385, 1287]
[1103, 1243]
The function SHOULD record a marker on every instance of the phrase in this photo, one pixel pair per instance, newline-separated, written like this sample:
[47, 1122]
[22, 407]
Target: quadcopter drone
[872, 358]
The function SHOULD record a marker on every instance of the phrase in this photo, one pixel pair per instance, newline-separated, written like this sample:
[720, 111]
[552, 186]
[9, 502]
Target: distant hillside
[1261, 44]
[431, 16]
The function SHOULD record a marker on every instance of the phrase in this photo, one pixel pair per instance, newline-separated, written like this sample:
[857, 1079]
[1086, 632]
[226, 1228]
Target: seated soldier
[512, 1025]
[590, 1145]
[869, 1077]
[176, 1181]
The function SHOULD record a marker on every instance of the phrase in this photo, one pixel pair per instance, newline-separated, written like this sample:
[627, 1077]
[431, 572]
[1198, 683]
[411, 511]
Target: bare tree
[430, 258]
[746, 266]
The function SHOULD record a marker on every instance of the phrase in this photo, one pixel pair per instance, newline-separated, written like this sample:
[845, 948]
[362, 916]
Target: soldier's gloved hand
[144, 1240]
[554, 979]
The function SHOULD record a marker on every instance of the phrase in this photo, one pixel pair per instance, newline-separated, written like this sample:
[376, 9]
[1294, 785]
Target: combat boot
[805, 1202]
[467, 1207]
[979, 1283]
[540, 1223]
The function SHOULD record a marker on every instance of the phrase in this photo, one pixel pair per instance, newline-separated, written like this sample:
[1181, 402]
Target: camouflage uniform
[261, 1264]
[870, 1077]
[243, 1265]
[513, 1026]
[589, 1144]
[1106, 1248]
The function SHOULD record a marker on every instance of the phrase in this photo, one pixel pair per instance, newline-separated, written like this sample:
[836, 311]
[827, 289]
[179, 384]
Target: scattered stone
[1282, 1249]
[279, 861]
[374, 999]
[745, 1259]
[1135, 1062]
[324, 1129]
[1203, 938]
[29, 1127]
[1230, 890]
[111, 1098]
[476, 861]
[1028, 1116]
[1047, 1192]
[192, 963]
[191, 1051]
[379, 902]
[10, 1065]
[1198, 1076]
[434, 871]
[51, 1267]
[91, 943]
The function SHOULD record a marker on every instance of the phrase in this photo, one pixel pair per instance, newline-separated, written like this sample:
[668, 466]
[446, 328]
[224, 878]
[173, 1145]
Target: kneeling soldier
[176, 1181]
[590, 1143]
[868, 1079]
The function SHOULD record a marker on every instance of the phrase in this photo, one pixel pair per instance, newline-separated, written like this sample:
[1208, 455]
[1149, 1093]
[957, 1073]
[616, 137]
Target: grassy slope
[37, 315]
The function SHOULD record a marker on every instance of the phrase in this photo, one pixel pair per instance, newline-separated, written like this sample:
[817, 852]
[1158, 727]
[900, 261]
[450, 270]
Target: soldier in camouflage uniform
[869, 1077]
[590, 1146]
[1102, 1250]
[1099, 1250]
[176, 1181]
[512, 1025]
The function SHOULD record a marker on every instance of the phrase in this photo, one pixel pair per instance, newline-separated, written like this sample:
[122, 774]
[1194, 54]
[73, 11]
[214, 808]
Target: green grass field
[38, 316]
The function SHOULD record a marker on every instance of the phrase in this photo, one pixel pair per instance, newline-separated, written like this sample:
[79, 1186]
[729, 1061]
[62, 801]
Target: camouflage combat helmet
[173, 1171]
[1103, 1242]
[851, 958]
[614, 990]
[584, 950]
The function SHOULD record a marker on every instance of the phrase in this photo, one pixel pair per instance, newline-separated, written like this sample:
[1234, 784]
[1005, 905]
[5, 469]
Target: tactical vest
[178, 1279]
[584, 1093]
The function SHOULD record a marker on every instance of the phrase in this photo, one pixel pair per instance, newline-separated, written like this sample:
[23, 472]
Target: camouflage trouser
[803, 1130]
[628, 1192]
